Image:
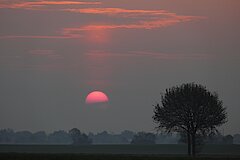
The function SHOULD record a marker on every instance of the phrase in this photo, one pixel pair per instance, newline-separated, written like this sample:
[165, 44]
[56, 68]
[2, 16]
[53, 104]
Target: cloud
[147, 24]
[155, 55]
[15, 4]
[45, 53]
[140, 19]
[61, 36]
[146, 19]
[120, 12]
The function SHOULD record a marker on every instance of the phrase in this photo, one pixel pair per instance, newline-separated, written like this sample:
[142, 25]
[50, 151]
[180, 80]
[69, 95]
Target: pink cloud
[36, 4]
[148, 19]
[147, 24]
[120, 12]
[143, 19]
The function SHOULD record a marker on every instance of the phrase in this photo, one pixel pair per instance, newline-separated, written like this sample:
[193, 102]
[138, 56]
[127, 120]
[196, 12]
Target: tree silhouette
[79, 138]
[190, 109]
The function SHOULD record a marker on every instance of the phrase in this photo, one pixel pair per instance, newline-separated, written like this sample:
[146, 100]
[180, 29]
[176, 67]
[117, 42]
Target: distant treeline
[76, 137]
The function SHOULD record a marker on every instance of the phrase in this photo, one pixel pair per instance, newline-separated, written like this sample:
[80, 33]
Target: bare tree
[190, 109]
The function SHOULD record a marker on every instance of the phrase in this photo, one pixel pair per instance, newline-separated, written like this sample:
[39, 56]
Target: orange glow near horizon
[96, 97]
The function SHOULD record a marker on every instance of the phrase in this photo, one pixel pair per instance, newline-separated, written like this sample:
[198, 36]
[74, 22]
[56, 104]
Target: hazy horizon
[54, 53]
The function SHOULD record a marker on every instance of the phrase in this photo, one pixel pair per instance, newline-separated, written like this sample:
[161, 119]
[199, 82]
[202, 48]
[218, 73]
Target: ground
[115, 152]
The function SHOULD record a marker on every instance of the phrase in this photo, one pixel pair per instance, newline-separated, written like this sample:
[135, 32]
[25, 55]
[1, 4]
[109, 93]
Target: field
[114, 152]
[31, 156]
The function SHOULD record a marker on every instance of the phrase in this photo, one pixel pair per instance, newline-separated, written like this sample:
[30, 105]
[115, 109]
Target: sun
[96, 97]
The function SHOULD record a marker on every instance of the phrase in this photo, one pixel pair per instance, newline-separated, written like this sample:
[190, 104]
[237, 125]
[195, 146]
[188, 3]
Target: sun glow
[97, 36]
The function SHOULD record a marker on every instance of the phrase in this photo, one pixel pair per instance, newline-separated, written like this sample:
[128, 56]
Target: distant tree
[39, 137]
[109, 138]
[164, 138]
[128, 135]
[199, 138]
[79, 138]
[214, 138]
[75, 134]
[91, 135]
[59, 137]
[103, 134]
[190, 109]
[7, 136]
[236, 139]
[144, 138]
[228, 139]
[23, 137]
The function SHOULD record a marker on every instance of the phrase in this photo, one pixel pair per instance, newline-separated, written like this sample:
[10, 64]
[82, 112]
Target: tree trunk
[193, 144]
[189, 143]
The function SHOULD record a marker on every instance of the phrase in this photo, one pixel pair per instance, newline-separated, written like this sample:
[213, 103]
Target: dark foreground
[115, 152]
[163, 149]
[35, 156]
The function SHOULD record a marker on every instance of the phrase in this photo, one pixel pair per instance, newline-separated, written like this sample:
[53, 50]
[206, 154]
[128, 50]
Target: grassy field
[32, 156]
[120, 149]
[114, 152]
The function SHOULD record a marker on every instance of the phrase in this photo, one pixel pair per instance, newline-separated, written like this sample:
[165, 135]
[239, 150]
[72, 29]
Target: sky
[54, 53]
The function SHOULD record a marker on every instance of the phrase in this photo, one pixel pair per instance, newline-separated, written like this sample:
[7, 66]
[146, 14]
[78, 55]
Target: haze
[53, 53]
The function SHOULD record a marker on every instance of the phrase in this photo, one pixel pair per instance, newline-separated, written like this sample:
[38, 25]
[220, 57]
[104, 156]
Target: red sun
[96, 97]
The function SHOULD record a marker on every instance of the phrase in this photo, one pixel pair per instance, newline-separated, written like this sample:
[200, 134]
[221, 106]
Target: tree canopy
[191, 109]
